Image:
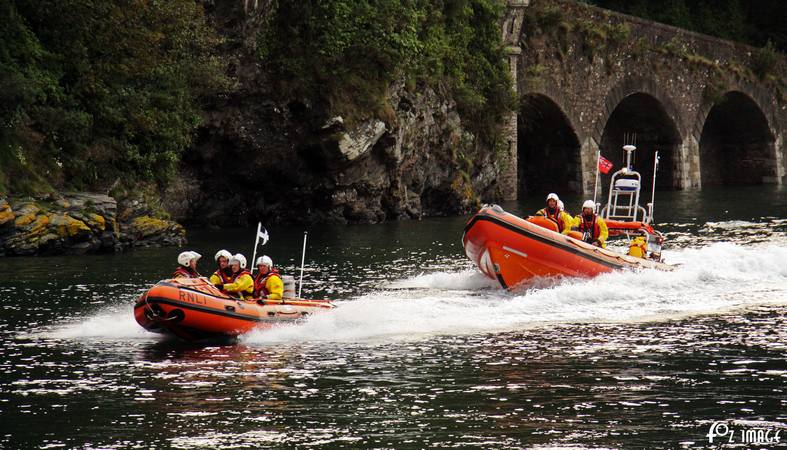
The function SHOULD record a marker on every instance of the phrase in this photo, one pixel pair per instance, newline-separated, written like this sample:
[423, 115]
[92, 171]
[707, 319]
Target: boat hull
[193, 309]
[512, 251]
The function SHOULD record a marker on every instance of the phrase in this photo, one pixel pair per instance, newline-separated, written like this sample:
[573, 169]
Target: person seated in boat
[268, 283]
[556, 214]
[188, 265]
[562, 208]
[638, 247]
[242, 285]
[591, 225]
[223, 273]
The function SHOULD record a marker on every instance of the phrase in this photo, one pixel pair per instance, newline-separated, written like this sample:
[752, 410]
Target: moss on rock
[147, 231]
[6, 213]
[25, 215]
[78, 224]
[66, 226]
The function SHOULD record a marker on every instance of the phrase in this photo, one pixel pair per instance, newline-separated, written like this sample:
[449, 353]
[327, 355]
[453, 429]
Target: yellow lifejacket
[638, 247]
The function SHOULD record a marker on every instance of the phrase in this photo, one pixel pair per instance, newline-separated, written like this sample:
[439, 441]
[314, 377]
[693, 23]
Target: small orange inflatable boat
[513, 250]
[193, 309]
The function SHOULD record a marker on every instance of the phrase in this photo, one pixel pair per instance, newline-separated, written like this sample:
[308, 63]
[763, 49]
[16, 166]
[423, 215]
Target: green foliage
[532, 76]
[764, 61]
[752, 22]
[674, 47]
[97, 91]
[344, 54]
[594, 37]
[675, 12]
[549, 17]
[618, 34]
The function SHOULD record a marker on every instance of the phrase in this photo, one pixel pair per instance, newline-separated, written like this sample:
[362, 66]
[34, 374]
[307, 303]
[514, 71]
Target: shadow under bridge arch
[548, 150]
[737, 146]
[643, 116]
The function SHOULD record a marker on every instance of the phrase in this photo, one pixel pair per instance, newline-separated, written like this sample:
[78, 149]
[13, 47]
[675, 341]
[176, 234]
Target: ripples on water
[437, 359]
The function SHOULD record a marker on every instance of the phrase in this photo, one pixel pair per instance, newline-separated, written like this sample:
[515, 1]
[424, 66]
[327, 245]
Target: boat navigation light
[629, 151]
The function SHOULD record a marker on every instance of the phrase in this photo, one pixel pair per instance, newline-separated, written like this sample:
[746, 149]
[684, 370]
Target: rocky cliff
[79, 223]
[261, 157]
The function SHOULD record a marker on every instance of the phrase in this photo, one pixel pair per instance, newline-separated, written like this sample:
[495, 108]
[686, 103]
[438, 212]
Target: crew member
[242, 285]
[638, 247]
[562, 208]
[188, 265]
[268, 283]
[222, 275]
[593, 228]
[554, 212]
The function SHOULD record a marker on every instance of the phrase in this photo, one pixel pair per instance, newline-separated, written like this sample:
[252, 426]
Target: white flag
[263, 234]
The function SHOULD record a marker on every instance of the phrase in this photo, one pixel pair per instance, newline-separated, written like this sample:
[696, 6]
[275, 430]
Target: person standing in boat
[268, 283]
[223, 274]
[554, 212]
[188, 265]
[591, 225]
[242, 285]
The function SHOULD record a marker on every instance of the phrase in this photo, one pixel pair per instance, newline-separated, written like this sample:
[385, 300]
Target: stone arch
[637, 106]
[737, 144]
[638, 85]
[548, 148]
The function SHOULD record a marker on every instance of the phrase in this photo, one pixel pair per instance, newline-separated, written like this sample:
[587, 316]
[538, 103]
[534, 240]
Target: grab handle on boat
[229, 308]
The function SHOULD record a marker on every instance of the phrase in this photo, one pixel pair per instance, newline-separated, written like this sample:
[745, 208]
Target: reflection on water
[422, 351]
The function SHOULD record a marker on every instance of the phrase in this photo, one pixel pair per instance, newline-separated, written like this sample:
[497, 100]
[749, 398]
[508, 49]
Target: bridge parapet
[602, 74]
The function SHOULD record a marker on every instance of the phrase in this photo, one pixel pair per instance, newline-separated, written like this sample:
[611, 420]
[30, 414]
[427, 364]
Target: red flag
[604, 165]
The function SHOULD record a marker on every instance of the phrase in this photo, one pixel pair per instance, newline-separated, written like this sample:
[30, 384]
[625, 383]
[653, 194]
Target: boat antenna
[595, 186]
[653, 187]
[262, 233]
[303, 261]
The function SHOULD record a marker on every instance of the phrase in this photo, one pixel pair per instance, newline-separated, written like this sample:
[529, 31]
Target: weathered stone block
[360, 140]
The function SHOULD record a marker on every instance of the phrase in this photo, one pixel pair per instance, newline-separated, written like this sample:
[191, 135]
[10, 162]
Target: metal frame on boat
[512, 250]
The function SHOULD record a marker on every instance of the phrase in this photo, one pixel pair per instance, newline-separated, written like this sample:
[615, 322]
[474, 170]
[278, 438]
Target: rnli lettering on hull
[192, 297]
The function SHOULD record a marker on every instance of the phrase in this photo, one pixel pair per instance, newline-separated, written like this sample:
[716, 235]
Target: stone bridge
[587, 77]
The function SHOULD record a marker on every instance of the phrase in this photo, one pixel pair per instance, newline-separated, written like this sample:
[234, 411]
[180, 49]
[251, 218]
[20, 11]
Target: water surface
[422, 351]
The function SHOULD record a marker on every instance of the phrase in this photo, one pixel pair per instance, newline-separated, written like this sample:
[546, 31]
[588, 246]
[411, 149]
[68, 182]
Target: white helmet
[560, 205]
[553, 196]
[185, 257]
[589, 204]
[265, 260]
[223, 253]
[240, 259]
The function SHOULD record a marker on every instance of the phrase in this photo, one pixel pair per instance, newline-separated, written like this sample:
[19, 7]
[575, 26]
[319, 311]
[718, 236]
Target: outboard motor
[289, 286]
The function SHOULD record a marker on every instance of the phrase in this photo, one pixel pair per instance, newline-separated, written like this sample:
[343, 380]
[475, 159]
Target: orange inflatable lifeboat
[513, 250]
[193, 309]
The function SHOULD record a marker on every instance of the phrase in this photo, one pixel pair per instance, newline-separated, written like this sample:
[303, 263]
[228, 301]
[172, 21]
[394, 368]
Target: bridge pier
[780, 162]
[508, 178]
[687, 172]
[512, 27]
[588, 163]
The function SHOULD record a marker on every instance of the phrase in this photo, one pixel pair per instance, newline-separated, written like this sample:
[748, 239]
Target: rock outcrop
[260, 157]
[78, 223]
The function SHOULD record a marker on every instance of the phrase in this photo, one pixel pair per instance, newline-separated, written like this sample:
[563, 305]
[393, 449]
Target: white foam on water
[719, 278]
[470, 279]
[732, 224]
[110, 324]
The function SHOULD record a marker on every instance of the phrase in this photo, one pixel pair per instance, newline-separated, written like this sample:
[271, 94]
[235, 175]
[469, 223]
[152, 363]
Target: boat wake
[113, 323]
[715, 279]
[719, 278]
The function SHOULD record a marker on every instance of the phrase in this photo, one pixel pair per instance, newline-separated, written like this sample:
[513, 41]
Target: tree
[117, 86]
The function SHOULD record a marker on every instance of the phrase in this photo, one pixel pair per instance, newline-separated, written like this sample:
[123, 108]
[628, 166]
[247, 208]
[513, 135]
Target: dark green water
[422, 352]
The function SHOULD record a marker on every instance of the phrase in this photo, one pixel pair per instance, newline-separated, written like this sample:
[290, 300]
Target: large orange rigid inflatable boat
[194, 309]
[513, 250]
